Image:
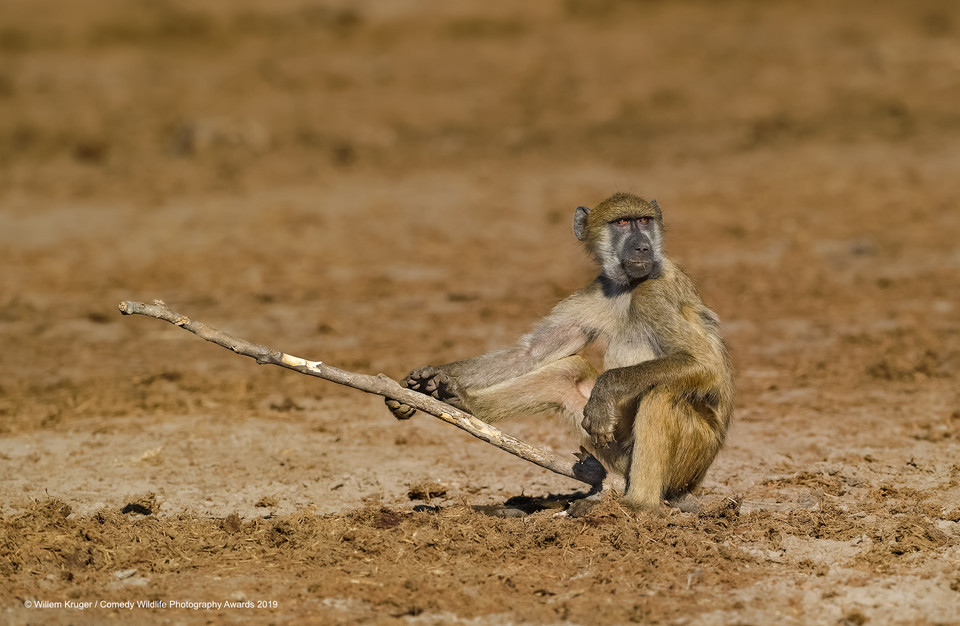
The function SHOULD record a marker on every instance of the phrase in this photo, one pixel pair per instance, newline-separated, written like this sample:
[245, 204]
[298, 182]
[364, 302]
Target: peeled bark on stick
[588, 470]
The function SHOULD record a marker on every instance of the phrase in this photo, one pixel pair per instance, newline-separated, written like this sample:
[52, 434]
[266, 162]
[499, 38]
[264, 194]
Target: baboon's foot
[428, 380]
[400, 410]
[433, 381]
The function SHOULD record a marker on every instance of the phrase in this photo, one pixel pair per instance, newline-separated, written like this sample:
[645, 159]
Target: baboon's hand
[599, 416]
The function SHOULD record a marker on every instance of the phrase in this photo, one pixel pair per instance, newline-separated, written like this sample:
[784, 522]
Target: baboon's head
[625, 235]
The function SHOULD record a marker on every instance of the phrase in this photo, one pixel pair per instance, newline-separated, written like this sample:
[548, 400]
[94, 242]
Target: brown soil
[387, 184]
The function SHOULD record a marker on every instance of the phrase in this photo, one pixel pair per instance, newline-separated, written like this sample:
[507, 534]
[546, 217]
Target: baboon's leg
[672, 448]
[559, 388]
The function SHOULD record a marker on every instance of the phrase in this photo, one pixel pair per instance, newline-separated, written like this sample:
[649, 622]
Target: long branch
[588, 471]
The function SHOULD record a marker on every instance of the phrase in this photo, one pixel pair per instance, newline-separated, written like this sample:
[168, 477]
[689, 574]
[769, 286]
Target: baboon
[658, 413]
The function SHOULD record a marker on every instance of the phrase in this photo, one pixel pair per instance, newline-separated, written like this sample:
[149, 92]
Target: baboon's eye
[644, 220]
[622, 221]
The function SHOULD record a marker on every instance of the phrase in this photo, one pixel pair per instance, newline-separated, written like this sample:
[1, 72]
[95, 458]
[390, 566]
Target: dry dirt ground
[382, 185]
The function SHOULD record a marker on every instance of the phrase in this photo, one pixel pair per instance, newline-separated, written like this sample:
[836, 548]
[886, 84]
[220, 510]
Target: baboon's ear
[580, 222]
[656, 207]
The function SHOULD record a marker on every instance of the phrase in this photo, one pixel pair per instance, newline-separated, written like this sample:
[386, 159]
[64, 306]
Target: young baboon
[658, 414]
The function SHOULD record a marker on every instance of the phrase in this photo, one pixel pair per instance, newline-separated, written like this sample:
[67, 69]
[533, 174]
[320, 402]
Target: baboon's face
[636, 243]
[625, 235]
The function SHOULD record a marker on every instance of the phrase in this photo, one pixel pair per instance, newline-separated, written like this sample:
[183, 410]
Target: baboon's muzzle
[638, 258]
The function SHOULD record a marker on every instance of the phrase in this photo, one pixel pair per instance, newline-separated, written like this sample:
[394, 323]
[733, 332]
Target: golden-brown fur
[659, 412]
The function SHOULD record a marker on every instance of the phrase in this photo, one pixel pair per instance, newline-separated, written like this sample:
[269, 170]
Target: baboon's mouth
[640, 270]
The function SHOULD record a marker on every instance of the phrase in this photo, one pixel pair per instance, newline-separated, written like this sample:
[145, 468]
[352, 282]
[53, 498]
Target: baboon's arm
[627, 383]
[624, 386]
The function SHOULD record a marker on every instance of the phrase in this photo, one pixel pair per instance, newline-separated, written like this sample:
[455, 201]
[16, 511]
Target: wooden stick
[587, 470]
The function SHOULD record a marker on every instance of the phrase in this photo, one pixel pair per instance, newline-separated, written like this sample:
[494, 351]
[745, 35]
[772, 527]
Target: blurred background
[393, 182]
